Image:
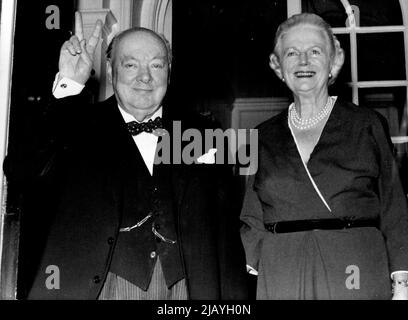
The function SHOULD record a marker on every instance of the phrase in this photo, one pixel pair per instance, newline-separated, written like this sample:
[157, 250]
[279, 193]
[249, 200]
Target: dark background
[221, 49]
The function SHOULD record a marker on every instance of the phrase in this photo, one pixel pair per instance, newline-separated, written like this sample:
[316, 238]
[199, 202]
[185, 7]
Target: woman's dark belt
[320, 224]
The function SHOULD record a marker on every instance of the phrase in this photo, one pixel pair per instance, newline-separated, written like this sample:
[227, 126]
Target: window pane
[387, 101]
[368, 12]
[381, 56]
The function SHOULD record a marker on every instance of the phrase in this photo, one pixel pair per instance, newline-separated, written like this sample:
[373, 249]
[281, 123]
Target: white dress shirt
[145, 141]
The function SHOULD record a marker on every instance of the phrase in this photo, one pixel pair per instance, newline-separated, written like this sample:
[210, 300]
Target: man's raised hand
[77, 54]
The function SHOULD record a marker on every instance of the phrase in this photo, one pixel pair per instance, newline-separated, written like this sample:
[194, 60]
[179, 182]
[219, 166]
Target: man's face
[139, 72]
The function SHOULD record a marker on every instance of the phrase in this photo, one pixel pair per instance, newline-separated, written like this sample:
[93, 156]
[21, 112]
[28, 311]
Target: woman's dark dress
[353, 166]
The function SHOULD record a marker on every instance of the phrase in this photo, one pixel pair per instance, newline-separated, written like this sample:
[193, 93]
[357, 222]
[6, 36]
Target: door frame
[9, 224]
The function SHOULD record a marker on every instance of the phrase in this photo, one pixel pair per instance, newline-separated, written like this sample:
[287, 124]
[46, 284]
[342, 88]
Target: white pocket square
[208, 158]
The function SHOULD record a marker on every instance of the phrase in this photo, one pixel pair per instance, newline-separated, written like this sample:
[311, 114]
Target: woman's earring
[283, 79]
[330, 75]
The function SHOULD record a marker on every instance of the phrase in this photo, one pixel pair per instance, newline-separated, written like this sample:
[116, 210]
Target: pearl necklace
[304, 124]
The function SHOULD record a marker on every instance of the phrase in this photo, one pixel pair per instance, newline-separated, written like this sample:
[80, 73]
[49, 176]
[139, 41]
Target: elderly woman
[325, 216]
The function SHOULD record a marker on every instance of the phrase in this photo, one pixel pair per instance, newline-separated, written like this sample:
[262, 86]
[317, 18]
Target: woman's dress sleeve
[253, 230]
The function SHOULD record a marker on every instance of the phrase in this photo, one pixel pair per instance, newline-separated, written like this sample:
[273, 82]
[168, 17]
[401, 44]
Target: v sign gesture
[77, 54]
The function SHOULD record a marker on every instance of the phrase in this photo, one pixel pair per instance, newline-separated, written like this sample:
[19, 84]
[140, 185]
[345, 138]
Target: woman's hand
[400, 286]
[400, 294]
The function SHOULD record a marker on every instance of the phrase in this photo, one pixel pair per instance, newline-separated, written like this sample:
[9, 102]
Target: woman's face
[304, 59]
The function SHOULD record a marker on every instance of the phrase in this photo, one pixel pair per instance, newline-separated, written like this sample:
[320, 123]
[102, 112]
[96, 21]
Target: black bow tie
[135, 127]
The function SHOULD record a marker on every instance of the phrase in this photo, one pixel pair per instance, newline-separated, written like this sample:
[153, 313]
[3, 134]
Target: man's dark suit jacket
[85, 148]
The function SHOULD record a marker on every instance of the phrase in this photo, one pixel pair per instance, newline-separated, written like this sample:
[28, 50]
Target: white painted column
[123, 12]
[119, 18]
[157, 16]
[89, 17]
[294, 7]
[91, 11]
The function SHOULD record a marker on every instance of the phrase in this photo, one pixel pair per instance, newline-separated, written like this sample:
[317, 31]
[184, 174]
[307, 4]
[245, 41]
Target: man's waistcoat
[137, 250]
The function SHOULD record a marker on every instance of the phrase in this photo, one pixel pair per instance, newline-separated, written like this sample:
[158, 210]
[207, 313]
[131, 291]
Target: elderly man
[126, 227]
